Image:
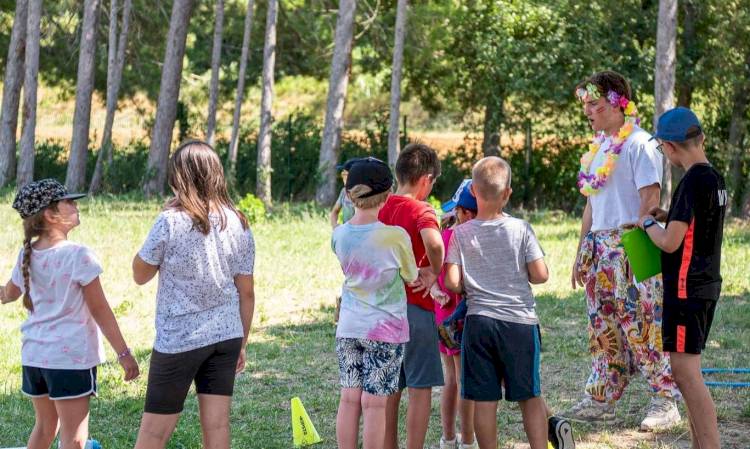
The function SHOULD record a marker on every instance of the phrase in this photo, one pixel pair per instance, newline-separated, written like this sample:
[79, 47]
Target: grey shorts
[422, 367]
[370, 365]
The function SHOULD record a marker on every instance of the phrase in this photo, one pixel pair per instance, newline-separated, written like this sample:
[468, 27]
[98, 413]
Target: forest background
[478, 77]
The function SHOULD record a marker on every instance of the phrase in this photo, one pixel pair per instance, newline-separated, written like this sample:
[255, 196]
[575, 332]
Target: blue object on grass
[726, 371]
[90, 444]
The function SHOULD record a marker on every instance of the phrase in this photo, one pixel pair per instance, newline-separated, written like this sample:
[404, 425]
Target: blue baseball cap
[462, 197]
[675, 124]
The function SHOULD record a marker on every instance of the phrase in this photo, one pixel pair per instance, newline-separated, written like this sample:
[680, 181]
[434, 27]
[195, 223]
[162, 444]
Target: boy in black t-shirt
[691, 257]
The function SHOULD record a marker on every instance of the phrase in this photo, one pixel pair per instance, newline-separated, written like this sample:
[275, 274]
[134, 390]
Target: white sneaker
[448, 444]
[589, 410]
[461, 444]
[662, 413]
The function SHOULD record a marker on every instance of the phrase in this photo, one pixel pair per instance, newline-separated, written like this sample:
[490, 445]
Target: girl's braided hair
[32, 227]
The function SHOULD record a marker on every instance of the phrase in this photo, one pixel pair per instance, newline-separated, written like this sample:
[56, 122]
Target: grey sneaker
[448, 444]
[661, 414]
[589, 410]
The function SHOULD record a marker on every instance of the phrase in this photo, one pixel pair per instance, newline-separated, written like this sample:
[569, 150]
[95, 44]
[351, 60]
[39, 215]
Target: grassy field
[291, 350]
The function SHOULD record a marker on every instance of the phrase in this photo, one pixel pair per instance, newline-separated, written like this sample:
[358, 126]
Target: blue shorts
[500, 355]
[58, 383]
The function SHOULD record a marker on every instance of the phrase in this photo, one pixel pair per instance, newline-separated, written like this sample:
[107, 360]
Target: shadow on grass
[289, 360]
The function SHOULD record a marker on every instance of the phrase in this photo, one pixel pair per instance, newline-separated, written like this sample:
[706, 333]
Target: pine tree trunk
[493, 120]
[339, 80]
[737, 131]
[213, 91]
[169, 93]
[115, 64]
[689, 48]
[25, 173]
[263, 184]
[664, 77]
[79, 146]
[402, 10]
[12, 93]
[746, 201]
[234, 141]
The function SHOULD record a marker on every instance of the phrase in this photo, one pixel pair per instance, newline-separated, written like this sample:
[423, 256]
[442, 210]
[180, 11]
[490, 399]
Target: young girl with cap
[67, 311]
[376, 260]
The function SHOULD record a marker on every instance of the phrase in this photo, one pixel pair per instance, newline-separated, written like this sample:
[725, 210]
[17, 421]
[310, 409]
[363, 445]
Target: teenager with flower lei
[620, 177]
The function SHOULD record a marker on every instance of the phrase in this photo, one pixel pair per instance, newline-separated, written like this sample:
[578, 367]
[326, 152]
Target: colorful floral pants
[624, 322]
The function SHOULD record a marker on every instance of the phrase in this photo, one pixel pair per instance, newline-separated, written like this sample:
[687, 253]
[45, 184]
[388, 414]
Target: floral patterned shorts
[373, 366]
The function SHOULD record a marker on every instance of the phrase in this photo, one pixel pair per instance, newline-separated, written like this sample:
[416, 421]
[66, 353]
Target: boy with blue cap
[690, 265]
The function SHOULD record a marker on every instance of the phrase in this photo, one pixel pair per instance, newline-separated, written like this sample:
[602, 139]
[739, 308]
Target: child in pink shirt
[464, 207]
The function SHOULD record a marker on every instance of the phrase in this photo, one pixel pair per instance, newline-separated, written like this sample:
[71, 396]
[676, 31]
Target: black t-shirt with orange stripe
[693, 271]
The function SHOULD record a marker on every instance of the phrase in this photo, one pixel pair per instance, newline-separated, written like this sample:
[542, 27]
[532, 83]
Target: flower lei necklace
[590, 183]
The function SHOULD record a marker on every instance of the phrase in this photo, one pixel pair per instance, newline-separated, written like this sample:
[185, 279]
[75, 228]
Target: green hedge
[550, 183]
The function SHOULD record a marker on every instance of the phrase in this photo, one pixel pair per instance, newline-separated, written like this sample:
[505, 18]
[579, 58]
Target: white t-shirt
[60, 333]
[197, 303]
[639, 165]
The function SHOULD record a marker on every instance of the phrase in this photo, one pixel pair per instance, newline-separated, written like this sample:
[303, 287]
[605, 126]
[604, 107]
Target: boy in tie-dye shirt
[372, 329]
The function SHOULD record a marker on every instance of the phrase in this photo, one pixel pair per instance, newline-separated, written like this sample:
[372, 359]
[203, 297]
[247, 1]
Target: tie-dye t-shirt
[376, 260]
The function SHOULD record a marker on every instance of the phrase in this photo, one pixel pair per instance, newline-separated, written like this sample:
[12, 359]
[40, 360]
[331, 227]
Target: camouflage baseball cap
[35, 196]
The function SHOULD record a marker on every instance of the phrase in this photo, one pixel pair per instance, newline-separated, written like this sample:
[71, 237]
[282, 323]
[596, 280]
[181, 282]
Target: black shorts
[686, 324]
[500, 355]
[212, 368]
[58, 383]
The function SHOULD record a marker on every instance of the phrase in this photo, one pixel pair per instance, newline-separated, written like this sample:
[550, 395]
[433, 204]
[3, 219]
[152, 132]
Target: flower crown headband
[591, 93]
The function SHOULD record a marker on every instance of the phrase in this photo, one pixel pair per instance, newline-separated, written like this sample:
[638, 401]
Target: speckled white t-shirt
[197, 303]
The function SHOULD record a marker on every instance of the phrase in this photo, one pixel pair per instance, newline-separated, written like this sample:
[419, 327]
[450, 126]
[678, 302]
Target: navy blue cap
[674, 125]
[371, 172]
[348, 164]
[462, 197]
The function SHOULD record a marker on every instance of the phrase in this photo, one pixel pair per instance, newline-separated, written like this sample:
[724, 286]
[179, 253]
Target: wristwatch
[648, 223]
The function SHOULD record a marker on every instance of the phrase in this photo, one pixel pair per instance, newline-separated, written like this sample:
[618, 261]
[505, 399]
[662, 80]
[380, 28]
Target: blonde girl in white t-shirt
[67, 312]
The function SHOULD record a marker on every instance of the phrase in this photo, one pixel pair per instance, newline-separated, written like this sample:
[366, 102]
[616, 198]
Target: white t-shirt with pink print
[60, 333]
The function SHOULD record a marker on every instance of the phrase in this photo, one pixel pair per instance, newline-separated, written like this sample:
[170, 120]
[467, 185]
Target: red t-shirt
[413, 216]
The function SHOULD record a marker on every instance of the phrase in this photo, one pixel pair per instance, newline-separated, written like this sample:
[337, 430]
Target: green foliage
[296, 150]
[253, 208]
[549, 182]
[503, 63]
[125, 175]
[435, 203]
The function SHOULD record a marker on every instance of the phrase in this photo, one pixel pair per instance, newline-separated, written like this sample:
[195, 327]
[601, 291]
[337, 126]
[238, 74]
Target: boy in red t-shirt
[417, 168]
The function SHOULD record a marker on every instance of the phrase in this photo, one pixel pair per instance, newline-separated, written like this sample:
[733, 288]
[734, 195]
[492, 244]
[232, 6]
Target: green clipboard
[644, 256]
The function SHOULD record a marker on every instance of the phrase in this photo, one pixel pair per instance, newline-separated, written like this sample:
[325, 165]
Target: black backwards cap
[371, 172]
